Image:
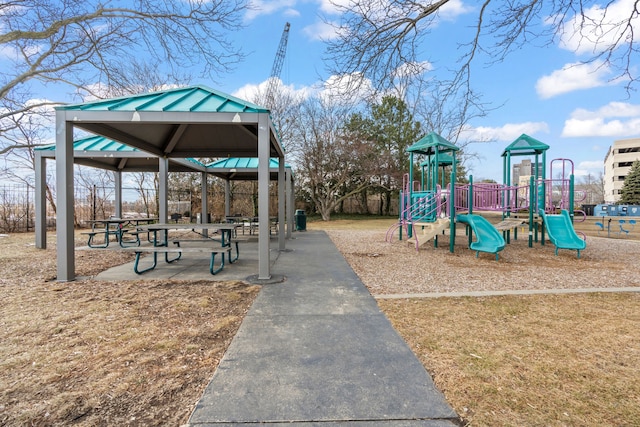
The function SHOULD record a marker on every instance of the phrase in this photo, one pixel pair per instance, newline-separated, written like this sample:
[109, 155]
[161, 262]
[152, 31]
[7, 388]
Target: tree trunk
[365, 201]
[387, 210]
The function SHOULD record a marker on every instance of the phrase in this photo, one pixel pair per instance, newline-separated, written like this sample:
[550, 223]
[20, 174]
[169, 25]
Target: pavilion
[180, 123]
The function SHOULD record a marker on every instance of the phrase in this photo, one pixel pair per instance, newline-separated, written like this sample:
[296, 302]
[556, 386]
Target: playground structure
[431, 206]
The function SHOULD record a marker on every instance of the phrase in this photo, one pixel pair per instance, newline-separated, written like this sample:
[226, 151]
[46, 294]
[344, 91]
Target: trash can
[301, 220]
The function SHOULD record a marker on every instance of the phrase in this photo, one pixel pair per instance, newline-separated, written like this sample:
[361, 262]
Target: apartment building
[617, 164]
[524, 169]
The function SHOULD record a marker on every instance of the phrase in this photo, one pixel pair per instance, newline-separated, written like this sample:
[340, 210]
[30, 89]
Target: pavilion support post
[281, 204]
[163, 201]
[263, 197]
[64, 190]
[41, 201]
[289, 204]
[204, 217]
[118, 183]
[227, 197]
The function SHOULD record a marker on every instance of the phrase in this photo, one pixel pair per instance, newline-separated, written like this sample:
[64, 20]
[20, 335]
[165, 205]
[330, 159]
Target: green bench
[178, 250]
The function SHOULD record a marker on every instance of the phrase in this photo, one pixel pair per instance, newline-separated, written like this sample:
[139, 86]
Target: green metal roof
[185, 99]
[100, 152]
[193, 121]
[94, 143]
[525, 145]
[242, 168]
[105, 151]
[431, 143]
[241, 163]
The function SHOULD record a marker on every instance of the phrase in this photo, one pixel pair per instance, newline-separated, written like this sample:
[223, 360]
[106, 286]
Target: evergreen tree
[631, 188]
[388, 128]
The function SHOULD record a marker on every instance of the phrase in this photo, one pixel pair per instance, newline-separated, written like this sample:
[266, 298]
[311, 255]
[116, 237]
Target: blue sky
[541, 92]
[538, 90]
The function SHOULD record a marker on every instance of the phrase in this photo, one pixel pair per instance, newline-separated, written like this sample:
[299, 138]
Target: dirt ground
[103, 353]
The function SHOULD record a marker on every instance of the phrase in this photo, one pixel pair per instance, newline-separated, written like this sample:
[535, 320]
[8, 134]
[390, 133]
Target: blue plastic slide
[488, 239]
[561, 232]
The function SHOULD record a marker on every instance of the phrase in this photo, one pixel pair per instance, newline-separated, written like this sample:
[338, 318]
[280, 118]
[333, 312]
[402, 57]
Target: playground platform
[314, 349]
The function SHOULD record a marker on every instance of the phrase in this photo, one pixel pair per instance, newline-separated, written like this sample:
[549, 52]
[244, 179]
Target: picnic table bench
[120, 235]
[221, 244]
[121, 228]
[179, 250]
[234, 241]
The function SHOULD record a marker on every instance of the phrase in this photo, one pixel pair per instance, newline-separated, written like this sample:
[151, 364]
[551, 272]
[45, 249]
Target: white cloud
[574, 76]
[587, 167]
[591, 164]
[452, 9]
[292, 13]
[267, 7]
[329, 6]
[508, 132]
[612, 109]
[250, 92]
[600, 28]
[321, 31]
[412, 68]
[12, 53]
[616, 119]
[342, 90]
[348, 89]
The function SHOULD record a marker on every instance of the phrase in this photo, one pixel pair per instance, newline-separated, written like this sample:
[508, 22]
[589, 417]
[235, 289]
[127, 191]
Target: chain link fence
[17, 205]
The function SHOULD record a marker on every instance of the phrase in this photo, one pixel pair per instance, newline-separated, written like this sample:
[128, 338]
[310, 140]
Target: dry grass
[553, 360]
[101, 353]
[546, 360]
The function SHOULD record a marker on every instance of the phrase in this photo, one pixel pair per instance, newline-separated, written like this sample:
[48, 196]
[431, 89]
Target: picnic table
[219, 243]
[251, 223]
[117, 227]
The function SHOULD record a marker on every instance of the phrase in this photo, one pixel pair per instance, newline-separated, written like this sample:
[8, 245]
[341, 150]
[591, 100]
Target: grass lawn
[104, 353]
[550, 360]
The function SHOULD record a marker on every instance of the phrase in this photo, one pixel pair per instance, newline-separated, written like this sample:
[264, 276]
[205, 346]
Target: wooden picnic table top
[120, 221]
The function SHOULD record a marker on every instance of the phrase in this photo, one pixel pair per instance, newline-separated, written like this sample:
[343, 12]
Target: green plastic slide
[488, 239]
[561, 232]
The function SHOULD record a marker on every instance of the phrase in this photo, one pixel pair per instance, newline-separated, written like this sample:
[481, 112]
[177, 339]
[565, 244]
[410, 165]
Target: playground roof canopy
[525, 145]
[104, 153]
[432, 143]
[444, 159]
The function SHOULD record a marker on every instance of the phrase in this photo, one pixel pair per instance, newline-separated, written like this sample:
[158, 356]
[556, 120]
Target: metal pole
[94, 203]
[64, 190]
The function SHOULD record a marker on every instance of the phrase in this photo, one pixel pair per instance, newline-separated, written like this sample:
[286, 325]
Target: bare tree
[593, 186]
[331, 166]
[88, 46]
[99, 192]
[376, 38]
[285, 106]
[143, 180]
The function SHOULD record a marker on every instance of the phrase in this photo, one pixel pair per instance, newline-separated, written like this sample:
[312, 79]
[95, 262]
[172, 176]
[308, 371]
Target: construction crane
[277, 66]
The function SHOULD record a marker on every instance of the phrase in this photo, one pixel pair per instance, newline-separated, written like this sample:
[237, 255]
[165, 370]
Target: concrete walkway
[315, 350]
